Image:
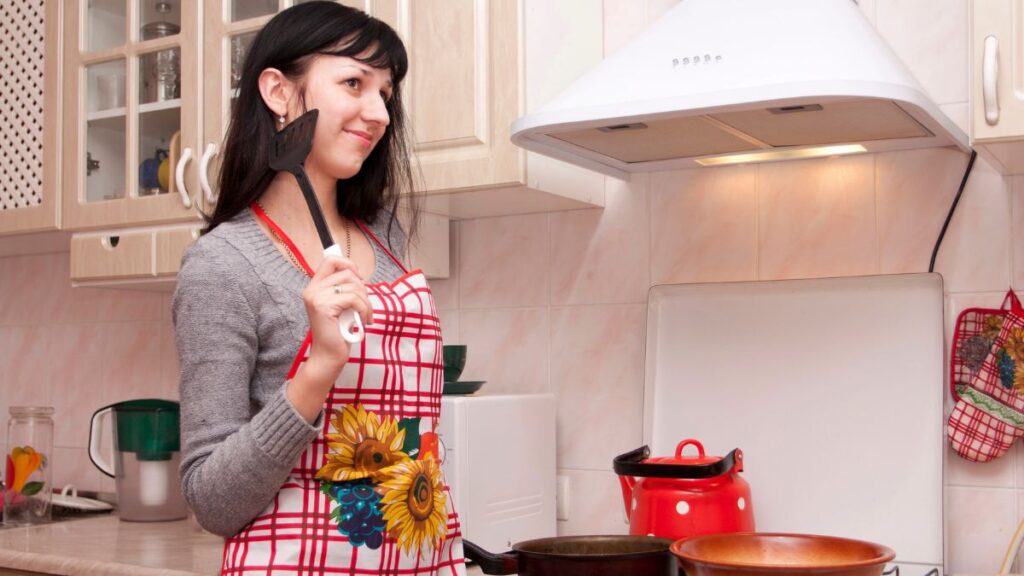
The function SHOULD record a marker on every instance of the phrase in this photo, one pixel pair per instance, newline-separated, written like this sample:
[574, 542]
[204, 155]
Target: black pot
[580, 556]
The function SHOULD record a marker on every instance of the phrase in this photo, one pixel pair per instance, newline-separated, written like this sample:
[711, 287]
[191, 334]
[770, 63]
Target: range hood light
[780, 155]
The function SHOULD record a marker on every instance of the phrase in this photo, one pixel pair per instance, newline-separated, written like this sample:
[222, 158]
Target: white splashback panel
[833, 389]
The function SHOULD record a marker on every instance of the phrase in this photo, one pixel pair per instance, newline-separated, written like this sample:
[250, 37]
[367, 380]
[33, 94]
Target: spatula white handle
[350, 324]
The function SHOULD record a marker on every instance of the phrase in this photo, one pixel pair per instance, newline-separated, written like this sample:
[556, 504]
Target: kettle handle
[632, 464]
[94, 441]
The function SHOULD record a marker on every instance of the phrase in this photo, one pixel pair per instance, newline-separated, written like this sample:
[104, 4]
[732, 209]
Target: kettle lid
[679, 458]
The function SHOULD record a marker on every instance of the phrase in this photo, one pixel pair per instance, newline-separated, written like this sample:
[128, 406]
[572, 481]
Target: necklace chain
[288, 251]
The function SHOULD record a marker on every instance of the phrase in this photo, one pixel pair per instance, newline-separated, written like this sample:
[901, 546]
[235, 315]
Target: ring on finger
[337, 289]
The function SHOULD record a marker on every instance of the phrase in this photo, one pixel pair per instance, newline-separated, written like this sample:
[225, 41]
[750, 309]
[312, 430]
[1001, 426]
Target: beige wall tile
[131, 361]
[1017, 225]
[601, 256]
[502, 261]
[450, 333]
[72, 466]
[979, 525]
[78, 381]
[509, 348]
[817, 218]
[595, 504]
[937, 53]
[914, 192]
[975, 255]
[600, 402]
[704, 225]
[446, 290]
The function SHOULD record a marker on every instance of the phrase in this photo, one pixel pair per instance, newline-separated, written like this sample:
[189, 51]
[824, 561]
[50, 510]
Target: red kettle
[684, 496]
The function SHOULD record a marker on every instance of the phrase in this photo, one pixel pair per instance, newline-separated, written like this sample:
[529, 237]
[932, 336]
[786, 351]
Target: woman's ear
[277, 90]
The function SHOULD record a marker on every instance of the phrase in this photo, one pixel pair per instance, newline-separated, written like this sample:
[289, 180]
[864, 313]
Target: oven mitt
[989, 414]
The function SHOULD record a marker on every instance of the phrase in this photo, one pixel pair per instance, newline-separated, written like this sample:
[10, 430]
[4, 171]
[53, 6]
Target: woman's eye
[352, 83]
[385, 96]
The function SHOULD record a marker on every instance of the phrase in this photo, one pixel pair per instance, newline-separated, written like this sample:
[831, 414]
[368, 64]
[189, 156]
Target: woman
[305, 452]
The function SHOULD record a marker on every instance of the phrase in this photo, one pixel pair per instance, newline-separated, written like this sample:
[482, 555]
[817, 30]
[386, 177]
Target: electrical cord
[945, 225]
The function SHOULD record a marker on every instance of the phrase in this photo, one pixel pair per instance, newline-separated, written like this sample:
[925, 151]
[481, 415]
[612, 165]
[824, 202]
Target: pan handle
[507, 563]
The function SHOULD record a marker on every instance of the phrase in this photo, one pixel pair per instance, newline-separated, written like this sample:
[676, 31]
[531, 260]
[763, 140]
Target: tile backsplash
[556, 302]
[78, 349]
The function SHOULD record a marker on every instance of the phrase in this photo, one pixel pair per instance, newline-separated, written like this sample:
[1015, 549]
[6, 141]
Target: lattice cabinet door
[30, 49]
[131, 112]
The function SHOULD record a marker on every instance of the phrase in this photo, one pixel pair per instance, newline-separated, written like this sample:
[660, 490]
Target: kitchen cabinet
[472, 72]
[997, 65]
[140, 258]
[476, 66]
[130, 107]
[29, 97]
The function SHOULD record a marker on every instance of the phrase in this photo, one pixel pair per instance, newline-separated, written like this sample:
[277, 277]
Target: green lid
[150, 428]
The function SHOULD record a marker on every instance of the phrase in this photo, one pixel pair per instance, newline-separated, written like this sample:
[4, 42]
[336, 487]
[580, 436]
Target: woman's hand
[335, 287]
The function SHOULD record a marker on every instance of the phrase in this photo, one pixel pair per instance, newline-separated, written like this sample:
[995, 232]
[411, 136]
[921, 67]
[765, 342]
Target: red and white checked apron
[381, 505]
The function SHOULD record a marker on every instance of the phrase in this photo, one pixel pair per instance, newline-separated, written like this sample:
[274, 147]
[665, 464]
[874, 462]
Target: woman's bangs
[375, 45]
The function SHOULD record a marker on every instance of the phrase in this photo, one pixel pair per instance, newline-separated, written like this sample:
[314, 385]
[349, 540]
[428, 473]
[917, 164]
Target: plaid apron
[367, 496]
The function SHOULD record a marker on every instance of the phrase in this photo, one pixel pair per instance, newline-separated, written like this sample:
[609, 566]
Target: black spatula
[288, 152]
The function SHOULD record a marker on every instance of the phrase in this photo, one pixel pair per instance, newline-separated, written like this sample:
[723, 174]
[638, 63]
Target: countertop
[103, 545]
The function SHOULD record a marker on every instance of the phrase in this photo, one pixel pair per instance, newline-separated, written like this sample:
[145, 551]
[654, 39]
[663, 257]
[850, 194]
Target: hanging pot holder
[987, 381]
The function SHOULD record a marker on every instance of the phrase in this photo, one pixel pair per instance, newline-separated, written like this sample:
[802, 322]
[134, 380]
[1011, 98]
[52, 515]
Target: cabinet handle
[179, 176]
[204, 178]
[990, 79]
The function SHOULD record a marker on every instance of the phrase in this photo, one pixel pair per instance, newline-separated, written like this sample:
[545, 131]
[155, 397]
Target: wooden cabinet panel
[29, 147]
[997, 82]
[102, 257]
[170, 246]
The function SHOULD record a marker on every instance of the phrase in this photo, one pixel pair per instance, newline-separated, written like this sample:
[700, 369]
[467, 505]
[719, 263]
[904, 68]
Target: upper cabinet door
[463, 88]
[998, 84]
[29, 94]
[130, 112]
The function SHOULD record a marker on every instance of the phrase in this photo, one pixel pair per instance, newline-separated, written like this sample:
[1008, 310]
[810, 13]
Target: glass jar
[28, 475]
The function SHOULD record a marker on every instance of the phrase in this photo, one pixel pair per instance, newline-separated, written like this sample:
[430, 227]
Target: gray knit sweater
[239, 320]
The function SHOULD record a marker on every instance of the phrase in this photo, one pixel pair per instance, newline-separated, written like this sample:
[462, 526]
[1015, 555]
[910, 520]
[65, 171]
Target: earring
[280, 119]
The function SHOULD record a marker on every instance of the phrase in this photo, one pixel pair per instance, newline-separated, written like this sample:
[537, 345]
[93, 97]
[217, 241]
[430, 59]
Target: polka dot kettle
[682, 496]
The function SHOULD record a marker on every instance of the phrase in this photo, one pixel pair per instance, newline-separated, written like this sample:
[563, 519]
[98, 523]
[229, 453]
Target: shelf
[159, 105]
[106, 114]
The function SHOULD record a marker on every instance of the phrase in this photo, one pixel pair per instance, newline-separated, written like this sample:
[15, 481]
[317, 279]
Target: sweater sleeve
[235, 455]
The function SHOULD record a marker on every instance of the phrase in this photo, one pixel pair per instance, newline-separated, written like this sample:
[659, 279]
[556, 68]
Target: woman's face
[351, 97]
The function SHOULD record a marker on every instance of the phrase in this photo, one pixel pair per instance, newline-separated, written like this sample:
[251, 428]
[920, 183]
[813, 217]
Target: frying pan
[760, 554]
[580, 556]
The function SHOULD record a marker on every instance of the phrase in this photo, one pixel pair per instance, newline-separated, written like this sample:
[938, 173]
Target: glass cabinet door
[229, 27]
[130, 111]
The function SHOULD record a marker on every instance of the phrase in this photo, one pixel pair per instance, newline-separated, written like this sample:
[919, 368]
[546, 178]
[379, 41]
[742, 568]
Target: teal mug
[454, 361]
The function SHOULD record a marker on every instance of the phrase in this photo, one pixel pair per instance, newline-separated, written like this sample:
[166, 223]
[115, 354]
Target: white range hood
[723, 81]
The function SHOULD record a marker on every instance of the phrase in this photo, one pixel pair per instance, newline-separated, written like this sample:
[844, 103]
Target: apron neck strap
[369, 234]
[262, 215]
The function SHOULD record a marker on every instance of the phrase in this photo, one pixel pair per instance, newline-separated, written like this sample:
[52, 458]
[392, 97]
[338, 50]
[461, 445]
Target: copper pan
[757, 554]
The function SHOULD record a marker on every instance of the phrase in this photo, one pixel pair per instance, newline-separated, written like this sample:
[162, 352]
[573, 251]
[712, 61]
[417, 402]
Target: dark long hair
[289, 42]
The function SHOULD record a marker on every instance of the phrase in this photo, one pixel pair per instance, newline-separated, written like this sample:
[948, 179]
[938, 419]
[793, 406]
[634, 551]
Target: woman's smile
[363, 138]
